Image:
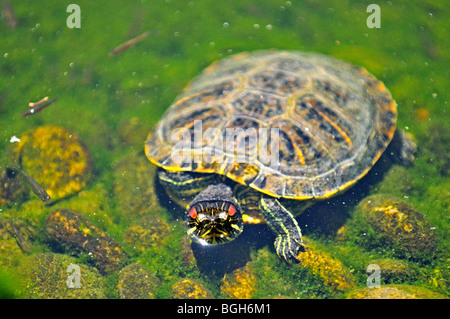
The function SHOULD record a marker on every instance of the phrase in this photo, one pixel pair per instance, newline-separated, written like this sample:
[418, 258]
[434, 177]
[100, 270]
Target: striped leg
[289, 237]
[184, 186]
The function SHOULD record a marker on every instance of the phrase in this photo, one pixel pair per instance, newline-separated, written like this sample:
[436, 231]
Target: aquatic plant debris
[130, 43]
[34, 104]
[37, 189]
[14, 139]
[8, 14]
[38, 106]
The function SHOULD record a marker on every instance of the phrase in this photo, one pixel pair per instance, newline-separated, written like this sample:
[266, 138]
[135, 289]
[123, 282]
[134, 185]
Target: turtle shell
[289, 124]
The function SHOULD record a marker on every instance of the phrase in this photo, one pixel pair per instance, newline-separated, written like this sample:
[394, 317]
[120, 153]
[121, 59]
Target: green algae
[45, 276]
[134, 188]
[135, 282]
[394, 292]
[190, 289]
[12, 189]
[111, 103]
[386, 223]
[70, 232]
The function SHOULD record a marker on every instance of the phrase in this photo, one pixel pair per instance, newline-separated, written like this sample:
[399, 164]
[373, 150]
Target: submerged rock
[133, 132]
[70, 232]
[10, 250]
[190, 289]
[331, 271]
[48, 276]
[397, 226]
[22, 231]
[393, 271]
[240, 284]
[136, 282]
[12, 189]
[394, 292]
[151, 232]
[57, 159]
[187, 254]
[134, 187]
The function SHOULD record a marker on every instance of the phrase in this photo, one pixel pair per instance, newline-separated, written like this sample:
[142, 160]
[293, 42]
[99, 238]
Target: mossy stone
[331, 271]
[190, 289]
[136, 282]
[240, 284]
[150, 232]
[57, 159]
[72, 233]
[393, 271]
[187, 254]
[394, 292]
[399, 226]
[12, 189]
[10, 250]
[46, 276]
[134, 187]
[133, 132]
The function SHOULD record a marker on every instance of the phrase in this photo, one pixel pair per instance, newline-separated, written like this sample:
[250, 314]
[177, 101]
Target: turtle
[260, 136]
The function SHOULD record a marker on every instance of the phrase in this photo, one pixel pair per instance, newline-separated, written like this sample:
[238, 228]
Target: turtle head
[214, 216]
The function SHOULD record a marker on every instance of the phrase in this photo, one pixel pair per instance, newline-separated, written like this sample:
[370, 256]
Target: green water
[99, 95]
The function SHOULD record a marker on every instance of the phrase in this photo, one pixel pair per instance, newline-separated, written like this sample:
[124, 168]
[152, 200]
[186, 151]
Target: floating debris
[128, 44]
[14, 139]
[35, 186]
[38, 106]
[9, 15]
[31, 104]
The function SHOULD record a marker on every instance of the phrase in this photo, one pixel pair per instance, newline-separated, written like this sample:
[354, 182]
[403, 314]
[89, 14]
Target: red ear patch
[231, 210]
[193, 213]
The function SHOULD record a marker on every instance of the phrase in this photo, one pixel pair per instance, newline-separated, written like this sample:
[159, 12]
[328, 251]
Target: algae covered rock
[71, 232]
[394, 292]
[393, 271]
[150, 232]
[190, 289]
[134, 187]
[136, 282]
[240, 284]
[187, 254]
[19, 229]
[133, 132]
[396, 226]
[56, 276]
[12, 189]
[57, 159]
[331, 271]
[10, 249]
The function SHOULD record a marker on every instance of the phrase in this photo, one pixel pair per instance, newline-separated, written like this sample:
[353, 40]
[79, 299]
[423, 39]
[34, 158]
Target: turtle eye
[231, 210]
[193, 213]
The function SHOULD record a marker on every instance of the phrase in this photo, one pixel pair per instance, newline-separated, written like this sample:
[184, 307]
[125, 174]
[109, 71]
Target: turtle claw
[288, 248]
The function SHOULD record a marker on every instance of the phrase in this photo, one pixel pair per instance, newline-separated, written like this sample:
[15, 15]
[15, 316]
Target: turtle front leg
[402, 148]
[288, 242]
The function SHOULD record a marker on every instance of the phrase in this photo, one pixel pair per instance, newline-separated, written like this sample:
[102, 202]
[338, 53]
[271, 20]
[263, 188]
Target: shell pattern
[289, 124]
